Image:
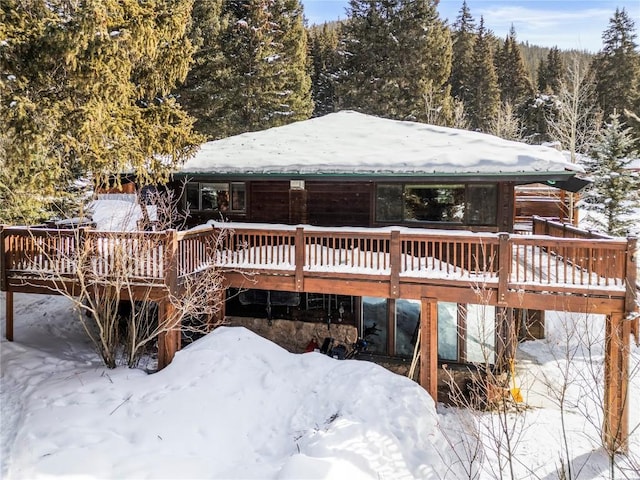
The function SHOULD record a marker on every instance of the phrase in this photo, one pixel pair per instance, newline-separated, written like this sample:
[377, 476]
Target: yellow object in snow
[515, 391]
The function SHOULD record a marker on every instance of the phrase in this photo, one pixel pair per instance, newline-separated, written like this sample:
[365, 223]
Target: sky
[568, 24]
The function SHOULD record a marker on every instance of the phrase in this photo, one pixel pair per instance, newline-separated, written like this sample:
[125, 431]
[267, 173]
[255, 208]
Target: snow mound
[231, 405]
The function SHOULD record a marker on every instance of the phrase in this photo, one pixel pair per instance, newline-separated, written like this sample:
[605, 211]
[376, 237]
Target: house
[348, 169]
[351, 169]
[351, 221]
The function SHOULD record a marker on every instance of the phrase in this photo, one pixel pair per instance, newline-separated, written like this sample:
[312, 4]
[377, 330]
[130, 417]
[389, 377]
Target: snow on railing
[534, 262]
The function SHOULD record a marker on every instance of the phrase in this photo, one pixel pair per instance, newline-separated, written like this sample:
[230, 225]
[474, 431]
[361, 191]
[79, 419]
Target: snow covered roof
[353, 143]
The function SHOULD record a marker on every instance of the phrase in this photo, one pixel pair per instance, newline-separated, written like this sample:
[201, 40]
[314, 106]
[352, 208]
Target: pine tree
[198, 93]
[550, 72]
[613, 197]
[463, 39]
[484, 94]
[86, 88]
[398, 60]
[326, 63]
[252, 71]
[617, 67]
[513, 80]
[534, 114]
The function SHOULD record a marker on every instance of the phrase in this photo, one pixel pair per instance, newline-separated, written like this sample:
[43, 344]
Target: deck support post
[8, 331]
[506, 337]
[615, 430]
[169, 337]
[169, 324]
[429, 346]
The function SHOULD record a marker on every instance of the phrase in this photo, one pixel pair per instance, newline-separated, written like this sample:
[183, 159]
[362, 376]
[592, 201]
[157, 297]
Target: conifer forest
[89, 89]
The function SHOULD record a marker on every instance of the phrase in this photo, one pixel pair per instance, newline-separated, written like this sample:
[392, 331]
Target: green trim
[524, 177]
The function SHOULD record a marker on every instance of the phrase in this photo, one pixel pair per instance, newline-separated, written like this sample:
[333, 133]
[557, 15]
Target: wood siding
[268, 201]
[340, 204]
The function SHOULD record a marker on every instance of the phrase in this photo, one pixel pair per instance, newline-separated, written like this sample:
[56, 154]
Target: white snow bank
[232, 405]
[351, 142]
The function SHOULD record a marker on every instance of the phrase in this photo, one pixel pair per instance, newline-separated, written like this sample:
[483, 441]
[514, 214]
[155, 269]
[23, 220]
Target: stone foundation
[295, 335]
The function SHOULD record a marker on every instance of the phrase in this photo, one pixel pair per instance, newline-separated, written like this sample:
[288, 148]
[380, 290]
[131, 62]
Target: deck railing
[534, 262]
[513, 262]
[589, 254]
[46, 253]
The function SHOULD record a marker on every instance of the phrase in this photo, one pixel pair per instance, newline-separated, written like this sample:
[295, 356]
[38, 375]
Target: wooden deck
[543, 271]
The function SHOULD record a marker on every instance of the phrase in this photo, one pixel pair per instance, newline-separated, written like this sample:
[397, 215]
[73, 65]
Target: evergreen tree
[617, 67]
[325, 62]
[484, 94]
[513, 80]
[463, 39]
[534, 114]
[199, 92]
[541, 76]
[613, 197]
[550, 73]
[86, 90]
[397, 60]
[252, 70]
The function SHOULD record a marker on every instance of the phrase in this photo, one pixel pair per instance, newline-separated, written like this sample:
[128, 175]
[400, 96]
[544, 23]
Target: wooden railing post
[4, 283]
[537, 221]
[504, 267]
[4, 247]
[615, 430]
[395, 258]
[429, 346]
[299, 258]
[169, 338]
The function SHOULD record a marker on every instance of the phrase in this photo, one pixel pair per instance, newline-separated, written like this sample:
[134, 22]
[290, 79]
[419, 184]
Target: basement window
[466, 333]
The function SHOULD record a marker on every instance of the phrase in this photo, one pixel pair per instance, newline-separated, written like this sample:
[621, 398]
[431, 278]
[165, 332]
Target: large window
[471, 204]
[374, 319]
[466, 333]
[217, 197]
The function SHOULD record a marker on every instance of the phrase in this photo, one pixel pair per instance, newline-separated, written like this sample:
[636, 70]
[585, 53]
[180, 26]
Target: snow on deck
[534, 268]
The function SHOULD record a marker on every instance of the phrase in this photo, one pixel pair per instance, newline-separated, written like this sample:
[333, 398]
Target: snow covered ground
[234, 405]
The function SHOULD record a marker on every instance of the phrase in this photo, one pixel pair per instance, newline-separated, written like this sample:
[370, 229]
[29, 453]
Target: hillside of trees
[98, 87]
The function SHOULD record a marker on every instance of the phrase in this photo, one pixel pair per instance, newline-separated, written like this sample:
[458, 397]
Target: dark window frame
[233, 203]
[398, 205]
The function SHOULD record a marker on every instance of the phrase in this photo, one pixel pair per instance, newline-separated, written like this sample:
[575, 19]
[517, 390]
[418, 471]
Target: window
[448, 334]
[471, 204]
[217, 197]
[466, 333]
[374, 317]
[434, 203]
[407, 326]
[389, 203]
[482, 201]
